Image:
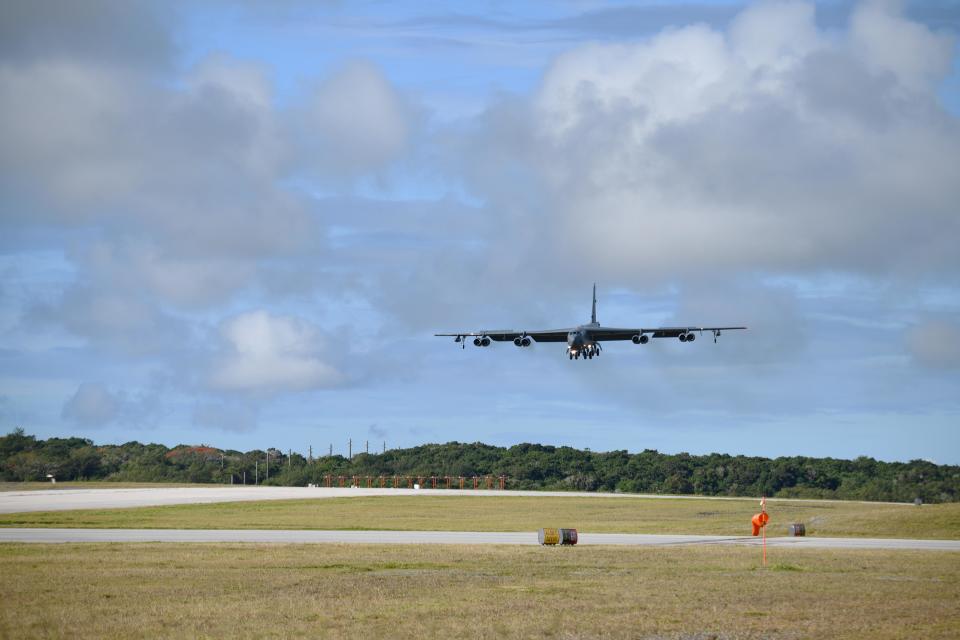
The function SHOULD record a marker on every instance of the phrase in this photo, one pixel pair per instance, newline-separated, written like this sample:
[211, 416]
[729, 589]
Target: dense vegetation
[527, 466]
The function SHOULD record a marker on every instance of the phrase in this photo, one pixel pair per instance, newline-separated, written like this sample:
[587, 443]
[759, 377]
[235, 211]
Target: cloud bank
[242, 236]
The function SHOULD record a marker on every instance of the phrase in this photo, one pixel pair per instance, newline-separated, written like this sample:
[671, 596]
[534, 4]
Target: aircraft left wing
[609, 333]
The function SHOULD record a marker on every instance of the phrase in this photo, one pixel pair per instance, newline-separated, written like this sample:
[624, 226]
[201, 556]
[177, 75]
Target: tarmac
[263, 536]
[109, 498]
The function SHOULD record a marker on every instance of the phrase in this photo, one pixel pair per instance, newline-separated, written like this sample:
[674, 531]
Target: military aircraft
[584, 340]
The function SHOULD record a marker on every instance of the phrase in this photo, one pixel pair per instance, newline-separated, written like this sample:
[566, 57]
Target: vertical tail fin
[593, 316]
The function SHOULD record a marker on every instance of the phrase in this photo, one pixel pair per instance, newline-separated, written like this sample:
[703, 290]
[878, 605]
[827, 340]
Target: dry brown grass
[475, 513]
[340, 591]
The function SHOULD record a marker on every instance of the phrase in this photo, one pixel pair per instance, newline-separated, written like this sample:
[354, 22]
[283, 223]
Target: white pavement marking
[445, 537]
[105, 498]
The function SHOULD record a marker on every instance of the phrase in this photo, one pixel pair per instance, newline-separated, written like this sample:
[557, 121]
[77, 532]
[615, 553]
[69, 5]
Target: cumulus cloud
[935, 344]
[272, 353]
[117, 32]
[120, 323]
[96, 405]
[354, 122]
[193, 170]
[92, 405]
[920, 59]
[772, 145]
[720, 153]
[231, 417]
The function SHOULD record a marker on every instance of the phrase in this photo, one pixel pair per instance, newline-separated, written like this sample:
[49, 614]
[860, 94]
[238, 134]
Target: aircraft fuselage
[580, 337]
[580, 341]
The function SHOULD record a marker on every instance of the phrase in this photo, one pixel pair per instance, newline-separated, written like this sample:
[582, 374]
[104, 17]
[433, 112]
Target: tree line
[527, 466]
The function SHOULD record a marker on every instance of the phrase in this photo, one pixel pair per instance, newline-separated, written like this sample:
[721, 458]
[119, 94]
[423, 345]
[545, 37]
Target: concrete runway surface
[445, 537]
[107, 498]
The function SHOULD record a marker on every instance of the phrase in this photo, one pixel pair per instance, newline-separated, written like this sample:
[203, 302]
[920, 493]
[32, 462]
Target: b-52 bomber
[584, 340]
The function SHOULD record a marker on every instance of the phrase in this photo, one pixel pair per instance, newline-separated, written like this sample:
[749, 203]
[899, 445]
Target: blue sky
[241, 225]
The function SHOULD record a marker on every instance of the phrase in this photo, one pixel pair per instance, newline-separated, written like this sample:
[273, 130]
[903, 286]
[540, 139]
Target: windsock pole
[759, 522]
[763, 509]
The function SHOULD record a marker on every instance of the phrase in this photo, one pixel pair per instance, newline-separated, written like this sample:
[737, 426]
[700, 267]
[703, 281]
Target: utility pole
[368, 447]
[221, 462]
[384, 446]
[268, 464]
[350, 449]
[311, 454]
[256, 472]
[244, 477]
[289, 458]
[331, 451]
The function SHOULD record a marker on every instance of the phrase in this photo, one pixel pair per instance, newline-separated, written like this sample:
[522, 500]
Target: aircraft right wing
[510, 335]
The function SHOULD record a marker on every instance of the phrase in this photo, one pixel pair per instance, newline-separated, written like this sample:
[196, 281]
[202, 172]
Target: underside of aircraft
[584, 340]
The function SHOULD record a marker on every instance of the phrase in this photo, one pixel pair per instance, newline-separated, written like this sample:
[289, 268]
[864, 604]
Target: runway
[107, 498]
[262, 536]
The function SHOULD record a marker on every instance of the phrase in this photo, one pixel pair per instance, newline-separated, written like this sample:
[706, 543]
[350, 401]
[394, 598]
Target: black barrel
[796, 529]
[568, 536]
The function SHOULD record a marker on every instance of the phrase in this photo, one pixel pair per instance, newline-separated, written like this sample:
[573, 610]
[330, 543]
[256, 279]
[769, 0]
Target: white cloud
[119, 322]
[233, 417]
[918, 57]
[96, 405]
[272, 353]
[354, 122]
[93, 405]
[194, 168]
[770, 146]
[935, 344]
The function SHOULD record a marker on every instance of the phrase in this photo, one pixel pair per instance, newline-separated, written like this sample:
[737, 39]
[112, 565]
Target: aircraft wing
[508, 335]
[610, 333]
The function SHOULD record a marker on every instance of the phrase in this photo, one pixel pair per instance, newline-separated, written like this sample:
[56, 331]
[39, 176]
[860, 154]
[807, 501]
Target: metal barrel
[796, 529]
[568, 536]
[549, 536]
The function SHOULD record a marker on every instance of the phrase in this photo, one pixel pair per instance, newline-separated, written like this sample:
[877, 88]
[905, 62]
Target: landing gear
[586, 352]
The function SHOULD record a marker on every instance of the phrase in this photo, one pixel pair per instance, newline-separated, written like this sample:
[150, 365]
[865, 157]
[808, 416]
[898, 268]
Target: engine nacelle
[687, 337]
[521, 341]
[641, 339]
[481, 341]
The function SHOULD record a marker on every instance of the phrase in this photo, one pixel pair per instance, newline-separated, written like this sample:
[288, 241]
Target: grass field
[474, 513]
[339, 591]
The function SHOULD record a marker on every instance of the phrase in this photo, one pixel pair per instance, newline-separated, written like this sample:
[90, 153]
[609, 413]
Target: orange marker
[759, 522]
